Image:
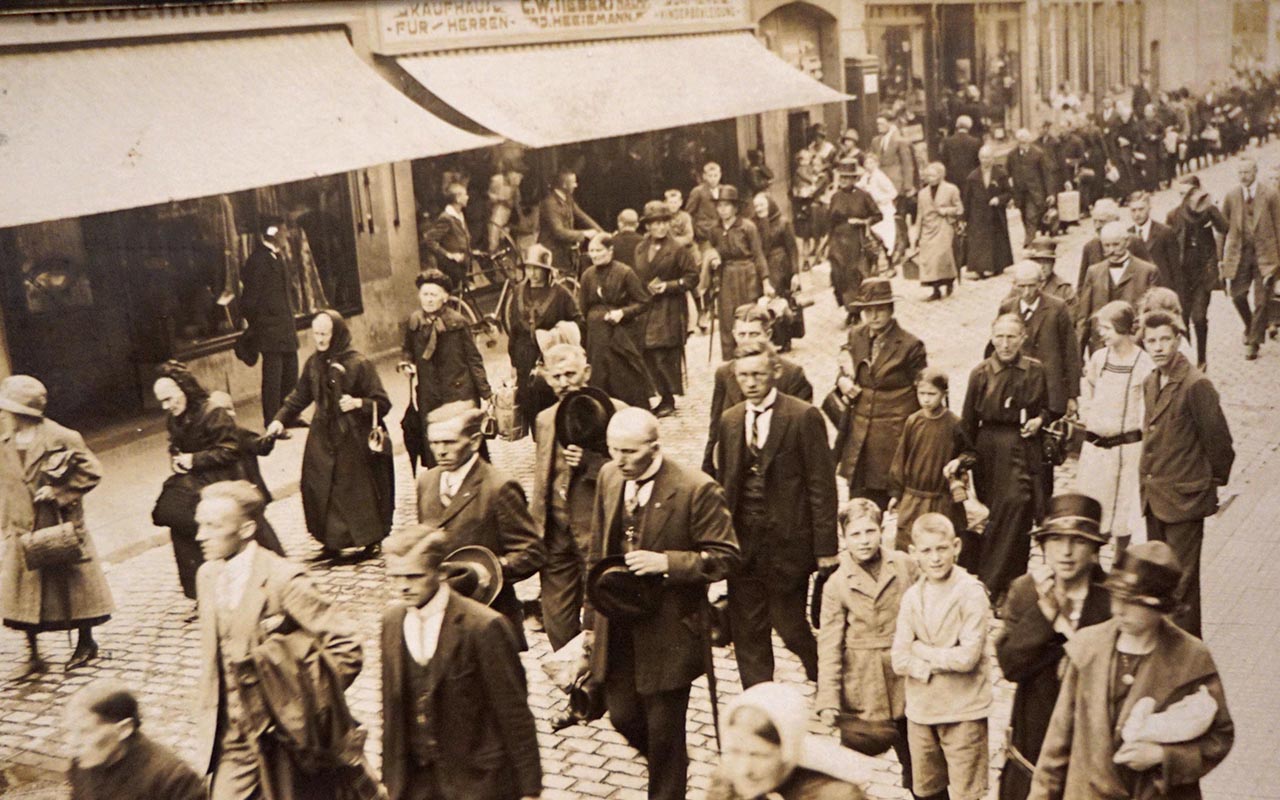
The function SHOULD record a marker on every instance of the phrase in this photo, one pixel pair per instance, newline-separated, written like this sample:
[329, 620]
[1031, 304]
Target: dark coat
[686, 518]
[624, 246]
[582, 483]
[1186, 445]
[727, 393]
[778, 239]
[265, 301]
[454, 370]
[701, 206]
[1092, 254]
[1162, 250]
[799, 475]
[478, 713]
[558, 226]
[1197, 255]
[959, 154]
[348, 492]
[1051, 339]
[1097, 291]
[614, 350]
[489, 510]
[867, 441]
[666, 319]
[146, 771]
[1031, 173]
[1029, 651]
[448, 234]
[1076, 759]
[988, 248]
[252, 446]
[210, 435]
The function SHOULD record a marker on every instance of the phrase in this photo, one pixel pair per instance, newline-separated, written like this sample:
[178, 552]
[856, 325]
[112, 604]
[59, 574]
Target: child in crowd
[932, 455]
[939, 647]
[858, 691]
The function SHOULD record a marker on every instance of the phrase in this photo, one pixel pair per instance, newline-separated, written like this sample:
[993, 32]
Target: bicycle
[497, 267]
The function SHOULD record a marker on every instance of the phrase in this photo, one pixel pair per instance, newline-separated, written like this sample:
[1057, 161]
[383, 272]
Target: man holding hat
[744, 273]
[1041, 614]
[1141, 712]
[660, 534]
[853, 211]
[670, 272]
[455, 705]
[1196, 267]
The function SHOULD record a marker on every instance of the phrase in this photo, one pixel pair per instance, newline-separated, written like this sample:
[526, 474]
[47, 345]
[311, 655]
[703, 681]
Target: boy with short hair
[939, 646]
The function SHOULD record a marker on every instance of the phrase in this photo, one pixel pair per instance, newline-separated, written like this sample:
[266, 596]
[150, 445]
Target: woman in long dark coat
[778, 238]
[853, 212]
[669, 272]
[204, 448]
[614, 300]
[440, 350]
[985, 197]
[536, 305]
[45, 470]
[347, 490]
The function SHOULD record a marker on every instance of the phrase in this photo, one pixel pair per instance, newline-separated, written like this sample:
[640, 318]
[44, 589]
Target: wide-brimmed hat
[1148, 573]
[874, 292]
[582, 419]
[728, 194]
[655, 210]
[539, 256]
[474, 572]
[23, 394]
[849, 167]
[1073, 515]
[619, 593]
[1043, 248]
[1198, 200]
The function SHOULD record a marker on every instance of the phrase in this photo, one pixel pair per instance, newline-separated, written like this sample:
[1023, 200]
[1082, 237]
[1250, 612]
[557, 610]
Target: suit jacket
[1186, 445]
[266, 301]
[1264, 226]
[701, 206]
[477, 712]
[666, 319]
[727, 393]
[558, 219]
[897, 159]
[582, 484]
[1097, 291]
[1076, 760]
[1092, 254]
[1162, 249]
[455, 369]
[799, 475]
[448, 234]
[1032, 175]
[686, 518]
[1051, 339]
[959, 154]
[277, 598]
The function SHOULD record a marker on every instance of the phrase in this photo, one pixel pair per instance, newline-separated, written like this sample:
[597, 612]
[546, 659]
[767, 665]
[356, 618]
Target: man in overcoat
[780, 484]
[673, 528]
[245, 595]
[447, 241]
[1187, 454]
[1251, 250]
[985, 194]
[1032, 178]
[701, 205]
[455, 705]
[1158, 238]
[898, 162]
[959, 151]
[1121, 276]
[669, 272]
[475, 504]
[1041, 614]
[266, 302]
[558, 218]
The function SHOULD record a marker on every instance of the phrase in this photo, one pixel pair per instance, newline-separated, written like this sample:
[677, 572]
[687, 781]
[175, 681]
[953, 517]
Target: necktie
[633, 497]
[877, 344]
[447, 490]
[1026, 313]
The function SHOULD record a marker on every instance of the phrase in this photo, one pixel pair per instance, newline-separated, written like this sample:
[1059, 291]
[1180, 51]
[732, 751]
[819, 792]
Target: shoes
[1251, 353]
[299, 423]
[80, 658]
[933, 298]
[664, 410]
[366, 553]
[284, 434]
[325, 554]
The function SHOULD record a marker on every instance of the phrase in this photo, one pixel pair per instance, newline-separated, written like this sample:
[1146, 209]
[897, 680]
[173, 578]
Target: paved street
[148, 644]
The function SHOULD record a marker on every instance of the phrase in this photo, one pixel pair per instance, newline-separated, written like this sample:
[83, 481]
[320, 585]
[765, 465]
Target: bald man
[1119, 276]
[672, 525]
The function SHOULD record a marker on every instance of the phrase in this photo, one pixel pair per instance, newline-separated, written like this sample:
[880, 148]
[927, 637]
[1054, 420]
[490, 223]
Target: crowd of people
[1116, 695]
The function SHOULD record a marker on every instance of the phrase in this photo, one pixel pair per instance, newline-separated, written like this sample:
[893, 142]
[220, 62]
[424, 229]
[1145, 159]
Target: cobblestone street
[149, 644]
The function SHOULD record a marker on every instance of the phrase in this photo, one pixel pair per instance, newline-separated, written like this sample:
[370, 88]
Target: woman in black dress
[614, 300]
[536, 304]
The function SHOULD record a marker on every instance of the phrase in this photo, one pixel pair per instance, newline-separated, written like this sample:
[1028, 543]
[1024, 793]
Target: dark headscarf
[181, 374]
[332, 365]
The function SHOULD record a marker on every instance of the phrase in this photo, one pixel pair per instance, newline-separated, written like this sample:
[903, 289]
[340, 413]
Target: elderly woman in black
[440, 351]
[347, 490]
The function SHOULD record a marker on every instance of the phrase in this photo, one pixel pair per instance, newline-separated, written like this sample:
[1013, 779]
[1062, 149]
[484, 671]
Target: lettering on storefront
[405, 27]
[139, 14]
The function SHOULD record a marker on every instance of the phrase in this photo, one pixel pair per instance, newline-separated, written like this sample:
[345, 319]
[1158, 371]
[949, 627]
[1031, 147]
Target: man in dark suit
[1158, 239]
[1105, 211]
[1032, 178]
[751, 323]
[780, 482]
[669, 272]
[558, 217]
[701, 204]
[959, 151]
[266, 302]
[1251, 250]
[1186, 455]
[471, 501]
[674, 528]
[455, 705]
[627, 237]
[1121, 276]
[564, 491]
[447, 241]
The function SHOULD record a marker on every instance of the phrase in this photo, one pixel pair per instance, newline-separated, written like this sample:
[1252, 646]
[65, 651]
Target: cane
[712, 299]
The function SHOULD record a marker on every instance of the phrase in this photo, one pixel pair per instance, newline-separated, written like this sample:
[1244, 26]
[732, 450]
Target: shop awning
[546, 95]
[98, 129]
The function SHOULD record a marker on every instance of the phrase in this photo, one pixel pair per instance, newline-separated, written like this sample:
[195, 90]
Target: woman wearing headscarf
[347, 490]
[768, 754]
[204, 448]
[45, 470]
[614, 300]
[778, 238]
[537, 304]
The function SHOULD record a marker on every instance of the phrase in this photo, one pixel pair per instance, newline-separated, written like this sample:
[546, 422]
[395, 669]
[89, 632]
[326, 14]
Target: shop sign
[404, 26]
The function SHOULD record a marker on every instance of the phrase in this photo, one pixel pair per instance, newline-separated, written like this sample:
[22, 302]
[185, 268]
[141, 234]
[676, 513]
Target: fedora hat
[849, 167]
[582, 419]
[474, 572]
[874, 292]
[728, 194]
[619, 593]
[1073, 515]
[538, 256]
[1148, 573]
[655, 210]
[23, 394]
[1043, 247]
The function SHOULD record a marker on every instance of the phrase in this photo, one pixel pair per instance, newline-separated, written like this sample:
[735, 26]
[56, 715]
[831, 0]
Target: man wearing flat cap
[671, 526]
[670, 272]
[455, 705]
[1041, 613]
[1142, 712]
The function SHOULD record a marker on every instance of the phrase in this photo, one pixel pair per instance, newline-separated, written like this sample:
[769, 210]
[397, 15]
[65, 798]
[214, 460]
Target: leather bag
[52, 546]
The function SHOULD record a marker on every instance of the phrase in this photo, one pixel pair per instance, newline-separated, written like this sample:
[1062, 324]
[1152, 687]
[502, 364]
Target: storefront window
[999, 45]
[900, 47]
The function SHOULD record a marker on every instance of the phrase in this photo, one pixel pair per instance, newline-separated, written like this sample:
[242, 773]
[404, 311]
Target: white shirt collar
[455, 477]
[422, 625]
[270, 246]
[235, 575]
[452, 211]
[1029, 307]
[1144, 231]
[652, 470]
[766, 405]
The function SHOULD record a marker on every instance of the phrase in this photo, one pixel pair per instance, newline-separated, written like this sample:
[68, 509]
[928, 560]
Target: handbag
[52, 546]
[379, 440]
[836, 407]
[176, 505]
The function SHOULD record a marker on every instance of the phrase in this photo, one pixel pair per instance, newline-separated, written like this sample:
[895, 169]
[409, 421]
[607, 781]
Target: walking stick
[712, 299]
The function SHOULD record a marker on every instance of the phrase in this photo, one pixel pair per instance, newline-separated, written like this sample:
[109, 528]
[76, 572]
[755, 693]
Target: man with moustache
[1121, 276]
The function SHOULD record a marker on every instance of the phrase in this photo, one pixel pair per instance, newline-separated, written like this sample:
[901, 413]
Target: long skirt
[739, 285]
[849, 263]
[70, 596]
[1005, 482]
[1111, 476]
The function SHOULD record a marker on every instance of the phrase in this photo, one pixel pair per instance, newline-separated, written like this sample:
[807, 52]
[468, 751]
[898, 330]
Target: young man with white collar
[448, 240]
[1120, 276]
